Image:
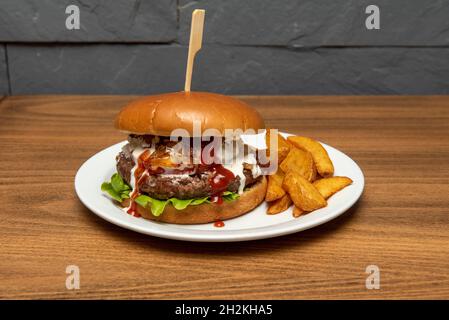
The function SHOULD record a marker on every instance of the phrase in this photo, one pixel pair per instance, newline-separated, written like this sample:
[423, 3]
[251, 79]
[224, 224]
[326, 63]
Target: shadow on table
[253, 248]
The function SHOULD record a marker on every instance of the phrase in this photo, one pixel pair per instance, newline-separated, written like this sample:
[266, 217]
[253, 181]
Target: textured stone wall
[249, 47]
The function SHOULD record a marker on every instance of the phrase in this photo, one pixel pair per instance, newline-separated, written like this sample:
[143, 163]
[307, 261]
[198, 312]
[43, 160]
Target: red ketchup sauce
[219, 224]
[132, 210]
[219, 181]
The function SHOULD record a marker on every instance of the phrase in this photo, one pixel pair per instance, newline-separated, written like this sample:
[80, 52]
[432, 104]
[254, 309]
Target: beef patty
[181, 186]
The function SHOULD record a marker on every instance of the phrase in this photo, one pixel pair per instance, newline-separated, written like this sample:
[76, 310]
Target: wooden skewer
[196, 38]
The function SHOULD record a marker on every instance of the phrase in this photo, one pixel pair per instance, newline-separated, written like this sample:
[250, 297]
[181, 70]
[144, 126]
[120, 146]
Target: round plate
[251, 226]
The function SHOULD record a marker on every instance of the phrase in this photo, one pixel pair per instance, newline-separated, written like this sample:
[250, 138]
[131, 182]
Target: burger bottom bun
[210, 212]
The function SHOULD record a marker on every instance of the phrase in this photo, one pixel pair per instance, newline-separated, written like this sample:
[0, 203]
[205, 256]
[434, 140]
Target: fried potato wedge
[304, 195]
[329, 186]
[300, 161]
[322, 161]
[274, 189]
[279, 205]
[283, 146]
[297, 212]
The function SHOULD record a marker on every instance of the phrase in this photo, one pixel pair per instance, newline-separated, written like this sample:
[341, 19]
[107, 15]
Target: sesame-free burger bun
[161, 114]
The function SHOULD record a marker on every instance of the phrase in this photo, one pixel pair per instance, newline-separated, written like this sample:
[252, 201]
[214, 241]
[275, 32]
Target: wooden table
[401, 223]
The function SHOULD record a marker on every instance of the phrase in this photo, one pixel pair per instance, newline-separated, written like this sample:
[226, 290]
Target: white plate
[251, 226]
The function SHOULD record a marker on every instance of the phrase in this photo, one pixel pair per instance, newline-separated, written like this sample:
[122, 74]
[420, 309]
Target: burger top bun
[161, 114]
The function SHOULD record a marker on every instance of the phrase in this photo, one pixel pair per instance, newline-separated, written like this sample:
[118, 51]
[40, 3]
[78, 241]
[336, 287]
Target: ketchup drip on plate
[219, 224]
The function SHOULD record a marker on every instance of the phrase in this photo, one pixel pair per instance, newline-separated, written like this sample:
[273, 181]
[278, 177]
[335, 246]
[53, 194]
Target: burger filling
[151, 172]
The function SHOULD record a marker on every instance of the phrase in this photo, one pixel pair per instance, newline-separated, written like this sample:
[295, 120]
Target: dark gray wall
[3, 72]
[249, 47]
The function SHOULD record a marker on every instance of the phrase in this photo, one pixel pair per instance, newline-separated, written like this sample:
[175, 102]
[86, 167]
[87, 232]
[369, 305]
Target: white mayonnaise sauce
[136, 154]
[238, 158]
[255, 169]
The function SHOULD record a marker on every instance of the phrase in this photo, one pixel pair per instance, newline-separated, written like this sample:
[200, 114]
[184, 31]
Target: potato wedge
[283, 146]
[274, 189]
[279, 205]
[300, 161]
[304, 195]
[321, 158]
[297, 212]
[329, 186]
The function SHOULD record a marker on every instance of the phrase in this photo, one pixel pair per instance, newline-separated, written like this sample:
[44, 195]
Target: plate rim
[173, 231]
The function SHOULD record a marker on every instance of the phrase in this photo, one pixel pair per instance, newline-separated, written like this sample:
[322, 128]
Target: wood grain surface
[401, 223]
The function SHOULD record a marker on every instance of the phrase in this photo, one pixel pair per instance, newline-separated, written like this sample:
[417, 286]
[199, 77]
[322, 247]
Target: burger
[161, 176]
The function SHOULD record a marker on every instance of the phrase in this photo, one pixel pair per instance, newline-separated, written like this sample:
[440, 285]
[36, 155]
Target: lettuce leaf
[116, 188]
[230, 196]
[158, 206]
